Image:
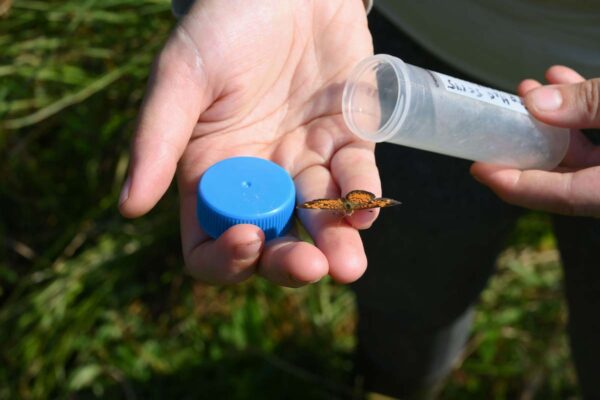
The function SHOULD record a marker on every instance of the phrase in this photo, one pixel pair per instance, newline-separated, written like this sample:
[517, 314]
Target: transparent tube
[387, 100]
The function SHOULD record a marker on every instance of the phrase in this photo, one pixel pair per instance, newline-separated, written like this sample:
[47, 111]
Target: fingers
[353, 168]
[562, 74]
[563, 193]
[286, 261]
[569, 101]
[176, 95]
[582, 152]
[336, 239]
[231, 258]
[527, 85]
[241, 251]
[236, 255]
[516, 187]
[574, 104]
[289, 262]
[555, 74]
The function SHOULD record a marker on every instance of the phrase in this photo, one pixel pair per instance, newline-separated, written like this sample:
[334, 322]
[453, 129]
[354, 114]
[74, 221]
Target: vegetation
[92, 305]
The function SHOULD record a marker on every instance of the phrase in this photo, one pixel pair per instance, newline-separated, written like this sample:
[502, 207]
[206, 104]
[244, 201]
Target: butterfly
[354, 200]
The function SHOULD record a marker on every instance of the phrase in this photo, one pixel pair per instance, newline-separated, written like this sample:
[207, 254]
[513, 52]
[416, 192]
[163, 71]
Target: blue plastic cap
[246, 190]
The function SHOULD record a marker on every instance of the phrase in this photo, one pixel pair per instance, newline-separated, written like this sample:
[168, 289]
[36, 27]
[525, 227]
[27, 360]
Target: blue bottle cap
[246, 190]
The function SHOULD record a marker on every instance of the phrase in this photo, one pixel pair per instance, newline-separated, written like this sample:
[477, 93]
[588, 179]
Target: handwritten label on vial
[482, 93]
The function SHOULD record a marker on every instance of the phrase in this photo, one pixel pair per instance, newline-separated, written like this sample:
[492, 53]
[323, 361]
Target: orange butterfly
[354, 200]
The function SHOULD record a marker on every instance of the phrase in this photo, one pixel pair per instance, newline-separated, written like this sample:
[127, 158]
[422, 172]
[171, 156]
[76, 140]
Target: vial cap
[246, 190]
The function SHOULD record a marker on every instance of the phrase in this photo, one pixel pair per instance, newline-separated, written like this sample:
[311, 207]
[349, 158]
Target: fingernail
[125, 191]
[546, 99]
[248, 250]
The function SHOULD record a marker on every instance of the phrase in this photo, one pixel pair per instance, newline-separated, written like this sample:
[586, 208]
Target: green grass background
[95, 306]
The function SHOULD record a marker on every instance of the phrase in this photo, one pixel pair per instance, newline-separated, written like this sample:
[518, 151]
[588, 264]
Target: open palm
[260, 78]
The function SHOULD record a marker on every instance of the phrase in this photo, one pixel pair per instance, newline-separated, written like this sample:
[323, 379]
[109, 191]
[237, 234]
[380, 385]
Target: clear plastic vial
[387, 100]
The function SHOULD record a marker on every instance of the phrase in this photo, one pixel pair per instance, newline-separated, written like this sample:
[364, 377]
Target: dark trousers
[430, 259]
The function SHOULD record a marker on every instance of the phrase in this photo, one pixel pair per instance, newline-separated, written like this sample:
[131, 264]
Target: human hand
[258, 78]
[573, 188]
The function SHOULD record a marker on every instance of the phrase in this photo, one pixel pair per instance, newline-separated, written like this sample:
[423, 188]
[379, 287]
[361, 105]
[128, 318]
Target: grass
[92, 305]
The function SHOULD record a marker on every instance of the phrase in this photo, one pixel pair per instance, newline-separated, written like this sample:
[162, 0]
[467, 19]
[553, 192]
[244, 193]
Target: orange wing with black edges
[354, 200]
[324, 204]
[362, 200]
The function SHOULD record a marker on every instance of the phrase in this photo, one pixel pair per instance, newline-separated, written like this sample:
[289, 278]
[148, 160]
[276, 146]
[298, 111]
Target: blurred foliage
[518, 349]
[92, 305]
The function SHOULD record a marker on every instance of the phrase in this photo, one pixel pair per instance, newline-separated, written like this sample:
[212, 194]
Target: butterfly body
[354, 200]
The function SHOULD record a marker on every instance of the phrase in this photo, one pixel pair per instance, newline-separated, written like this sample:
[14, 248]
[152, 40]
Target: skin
[260, 78]
[264, 78]
[574, 187]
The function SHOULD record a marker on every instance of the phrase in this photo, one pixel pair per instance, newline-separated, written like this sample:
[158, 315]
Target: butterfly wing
[354, 200]
[324, 204]
[362, 200]
[359, 197]
[383, 202]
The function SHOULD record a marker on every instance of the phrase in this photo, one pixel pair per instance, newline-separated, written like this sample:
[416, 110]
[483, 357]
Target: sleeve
[181, 7]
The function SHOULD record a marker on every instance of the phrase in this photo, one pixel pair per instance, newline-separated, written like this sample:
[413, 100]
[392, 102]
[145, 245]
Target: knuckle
[589, 95]
[180, 60]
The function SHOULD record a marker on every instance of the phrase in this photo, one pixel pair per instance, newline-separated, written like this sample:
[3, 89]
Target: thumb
[176, 95]
[569, 105]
